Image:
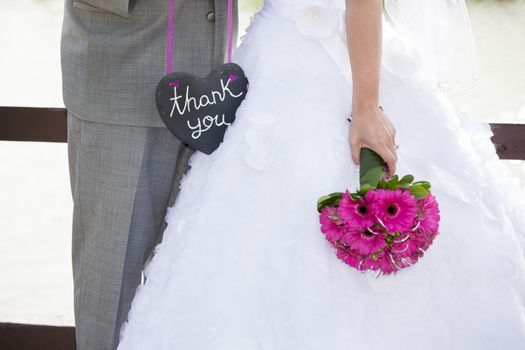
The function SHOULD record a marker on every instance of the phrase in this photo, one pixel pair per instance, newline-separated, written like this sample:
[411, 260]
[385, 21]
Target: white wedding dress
[243, 264]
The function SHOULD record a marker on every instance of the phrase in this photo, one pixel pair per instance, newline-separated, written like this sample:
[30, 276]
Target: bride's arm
[370, 127]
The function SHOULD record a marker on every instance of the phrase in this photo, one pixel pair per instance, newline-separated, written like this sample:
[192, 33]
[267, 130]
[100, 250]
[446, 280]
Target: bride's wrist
[364, 108]
[365, 99]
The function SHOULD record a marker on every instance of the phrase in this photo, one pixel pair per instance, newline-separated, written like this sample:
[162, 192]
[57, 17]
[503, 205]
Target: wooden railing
[36, 337]
[45, 125]
[33, 124]
[50, 125]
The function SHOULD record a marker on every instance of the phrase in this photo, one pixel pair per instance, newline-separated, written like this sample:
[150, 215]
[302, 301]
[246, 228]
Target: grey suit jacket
[113, 53]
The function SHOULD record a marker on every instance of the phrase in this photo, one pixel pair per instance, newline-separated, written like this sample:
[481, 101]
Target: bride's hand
[370, 127]
[373, 129]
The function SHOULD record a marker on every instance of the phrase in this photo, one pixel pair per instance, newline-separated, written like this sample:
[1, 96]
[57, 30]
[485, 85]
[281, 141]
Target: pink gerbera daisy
[429, 216]
[386, 266]
[355, 213]
[363, 241]
[396, 209]
[347, 256]
[331, 224]
[406, 245]
[383, 263]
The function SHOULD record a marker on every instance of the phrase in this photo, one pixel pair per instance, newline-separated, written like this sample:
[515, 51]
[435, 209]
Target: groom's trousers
[125, 166]
[122, 180]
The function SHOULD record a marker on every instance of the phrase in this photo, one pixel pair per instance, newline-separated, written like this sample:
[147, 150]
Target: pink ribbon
[170, 35]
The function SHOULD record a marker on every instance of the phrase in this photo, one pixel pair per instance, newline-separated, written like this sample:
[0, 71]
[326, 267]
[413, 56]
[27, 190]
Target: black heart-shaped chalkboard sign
[198, 110]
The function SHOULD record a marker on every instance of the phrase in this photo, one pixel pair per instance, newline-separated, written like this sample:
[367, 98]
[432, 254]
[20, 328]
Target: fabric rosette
[316, 21]
[386, 225]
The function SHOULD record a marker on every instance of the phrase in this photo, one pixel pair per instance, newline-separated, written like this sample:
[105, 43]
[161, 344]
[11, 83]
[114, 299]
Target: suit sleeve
[121, 8]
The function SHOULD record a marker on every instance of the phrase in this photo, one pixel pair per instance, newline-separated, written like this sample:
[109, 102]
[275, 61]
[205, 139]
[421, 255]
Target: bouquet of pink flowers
[386, 225]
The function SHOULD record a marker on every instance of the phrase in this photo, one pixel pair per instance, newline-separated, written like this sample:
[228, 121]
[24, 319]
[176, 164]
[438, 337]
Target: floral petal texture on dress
[243, 264]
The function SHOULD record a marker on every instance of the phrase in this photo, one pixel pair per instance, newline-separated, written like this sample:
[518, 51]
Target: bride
[243, 264]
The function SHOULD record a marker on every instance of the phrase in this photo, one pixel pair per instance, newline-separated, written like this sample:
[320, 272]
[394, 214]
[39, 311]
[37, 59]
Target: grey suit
[125, 166]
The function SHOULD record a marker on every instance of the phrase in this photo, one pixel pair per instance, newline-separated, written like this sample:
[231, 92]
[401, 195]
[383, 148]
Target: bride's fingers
[355, 149]
[390, 158]
[390, 126]
[388, 155]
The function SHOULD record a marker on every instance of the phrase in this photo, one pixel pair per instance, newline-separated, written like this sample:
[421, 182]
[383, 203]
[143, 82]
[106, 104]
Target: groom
[124, 165]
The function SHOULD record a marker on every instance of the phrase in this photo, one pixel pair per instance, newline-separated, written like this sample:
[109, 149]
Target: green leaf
[392, 184]
[355, 196]
[372, 176]
[364, 188]
[331, 200]
[406, 179]
[425, 184]
[418, 191]
[371, 167]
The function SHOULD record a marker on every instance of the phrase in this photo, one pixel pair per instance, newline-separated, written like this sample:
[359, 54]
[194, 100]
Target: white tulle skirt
[243, 264]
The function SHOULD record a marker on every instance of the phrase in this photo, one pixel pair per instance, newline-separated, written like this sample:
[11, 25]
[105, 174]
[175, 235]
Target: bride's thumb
[355, 149]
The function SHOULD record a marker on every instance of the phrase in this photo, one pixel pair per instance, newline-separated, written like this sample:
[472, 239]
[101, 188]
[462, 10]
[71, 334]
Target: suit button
[210, 16]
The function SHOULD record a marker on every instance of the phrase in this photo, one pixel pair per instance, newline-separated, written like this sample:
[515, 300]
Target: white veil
[441, 33]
